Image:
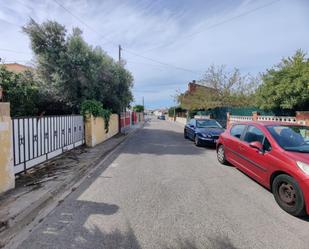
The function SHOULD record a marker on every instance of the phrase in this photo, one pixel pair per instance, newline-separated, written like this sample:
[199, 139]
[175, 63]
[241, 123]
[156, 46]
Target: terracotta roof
[16, 67]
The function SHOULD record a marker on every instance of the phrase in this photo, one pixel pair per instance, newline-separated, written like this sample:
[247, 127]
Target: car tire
[197, 141]
[289, 195]
[221, 155]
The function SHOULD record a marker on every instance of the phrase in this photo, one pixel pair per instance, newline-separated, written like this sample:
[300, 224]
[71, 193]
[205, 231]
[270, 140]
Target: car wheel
[288, 195]
[197, 141]
[221, 155]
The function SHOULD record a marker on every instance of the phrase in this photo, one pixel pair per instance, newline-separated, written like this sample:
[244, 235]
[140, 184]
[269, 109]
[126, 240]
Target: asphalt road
[160, 191]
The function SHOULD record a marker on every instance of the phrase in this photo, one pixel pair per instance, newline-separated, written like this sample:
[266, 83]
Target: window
[237, 130]
[192, 122]
[207, 123]
[254, 134]
[291, 137]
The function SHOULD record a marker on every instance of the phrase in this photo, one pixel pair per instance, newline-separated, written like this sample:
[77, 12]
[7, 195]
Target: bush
[285, 86]
[21, 91]
[95, 108]
[92, 107]
[138, 108]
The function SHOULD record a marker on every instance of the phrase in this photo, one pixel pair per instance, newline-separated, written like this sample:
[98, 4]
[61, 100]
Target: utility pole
[143, 103]
[119, 53]
[121, 108]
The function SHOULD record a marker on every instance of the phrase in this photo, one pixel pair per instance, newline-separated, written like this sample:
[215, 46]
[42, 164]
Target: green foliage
[220, 88]
[138, 108]
[95, 108]
[21, 91]
[171, 111]
[92, 107]
[71, 71]
[174, 110]
[106, 116]
[286, 86]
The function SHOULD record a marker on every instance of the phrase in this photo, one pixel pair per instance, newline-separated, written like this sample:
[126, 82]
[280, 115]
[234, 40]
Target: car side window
[237, 130]
[254, 134]
[192, 122]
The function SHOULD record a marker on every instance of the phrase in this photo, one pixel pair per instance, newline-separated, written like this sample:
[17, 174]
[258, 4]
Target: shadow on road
[73, 225]
[213, 243]
[101, 240]
[75, 222]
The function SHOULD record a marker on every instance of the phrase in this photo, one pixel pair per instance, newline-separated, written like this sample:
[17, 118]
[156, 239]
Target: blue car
[203, 131]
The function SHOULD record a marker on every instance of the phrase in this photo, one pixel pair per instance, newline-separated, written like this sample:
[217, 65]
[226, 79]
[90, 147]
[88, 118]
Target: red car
[276, 155]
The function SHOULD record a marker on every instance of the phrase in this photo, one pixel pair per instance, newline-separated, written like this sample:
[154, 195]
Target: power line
[162, 63]
[151, 65]
[215, 25]
[147, 58]
[82, 21]
[13, 51]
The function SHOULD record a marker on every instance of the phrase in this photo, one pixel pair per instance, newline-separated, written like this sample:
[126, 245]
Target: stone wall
[95, 132]
[7, 177]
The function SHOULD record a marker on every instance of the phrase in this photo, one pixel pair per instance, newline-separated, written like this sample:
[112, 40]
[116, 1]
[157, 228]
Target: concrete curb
[36, 212]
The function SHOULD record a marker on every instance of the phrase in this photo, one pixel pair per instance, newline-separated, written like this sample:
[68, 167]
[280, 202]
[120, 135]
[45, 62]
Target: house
[16, 67]
[160, 112]
[193, 87]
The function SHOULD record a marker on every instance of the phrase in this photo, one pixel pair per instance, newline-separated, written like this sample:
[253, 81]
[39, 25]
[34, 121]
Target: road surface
[157, 191]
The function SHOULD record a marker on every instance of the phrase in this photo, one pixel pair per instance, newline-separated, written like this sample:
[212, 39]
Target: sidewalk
[175, 122]
[44, 183]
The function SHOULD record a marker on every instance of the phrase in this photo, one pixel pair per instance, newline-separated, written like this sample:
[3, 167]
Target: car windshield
[291, 137]
[207, 123]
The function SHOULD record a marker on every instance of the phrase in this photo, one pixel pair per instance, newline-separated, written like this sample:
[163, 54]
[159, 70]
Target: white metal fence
[277, 118]
[37, 139]
[234, 118]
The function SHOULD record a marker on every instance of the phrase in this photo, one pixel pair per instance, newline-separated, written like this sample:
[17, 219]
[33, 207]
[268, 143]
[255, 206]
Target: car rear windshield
[207, 123]
[291, 137]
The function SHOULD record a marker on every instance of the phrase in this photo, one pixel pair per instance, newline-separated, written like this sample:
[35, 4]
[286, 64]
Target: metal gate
[37, 139]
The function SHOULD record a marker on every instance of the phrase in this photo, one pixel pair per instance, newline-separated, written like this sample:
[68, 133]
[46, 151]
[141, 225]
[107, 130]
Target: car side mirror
[257, 145]
[191, 125]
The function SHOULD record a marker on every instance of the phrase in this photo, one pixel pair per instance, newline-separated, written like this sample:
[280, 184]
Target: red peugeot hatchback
[276, 155]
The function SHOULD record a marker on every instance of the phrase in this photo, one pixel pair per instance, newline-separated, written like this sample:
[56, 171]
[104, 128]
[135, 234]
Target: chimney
[192, 86]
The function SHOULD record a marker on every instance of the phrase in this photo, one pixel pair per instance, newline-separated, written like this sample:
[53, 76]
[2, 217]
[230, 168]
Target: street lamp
[174, 103]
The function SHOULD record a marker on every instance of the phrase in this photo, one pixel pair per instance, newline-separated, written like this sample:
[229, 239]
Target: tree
[176, 111]
[218, 88]
[138, 108]
[21, 91]
[72, 71]
[286, 85]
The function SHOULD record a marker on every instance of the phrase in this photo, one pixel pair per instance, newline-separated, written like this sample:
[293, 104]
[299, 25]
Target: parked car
[274, 154]
[203, 131]
[161, 117]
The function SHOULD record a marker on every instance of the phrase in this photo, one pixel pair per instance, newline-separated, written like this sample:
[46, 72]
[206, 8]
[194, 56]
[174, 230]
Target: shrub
[95, 108]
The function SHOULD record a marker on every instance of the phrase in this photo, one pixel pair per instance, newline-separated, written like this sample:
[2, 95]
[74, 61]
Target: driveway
[158, 190]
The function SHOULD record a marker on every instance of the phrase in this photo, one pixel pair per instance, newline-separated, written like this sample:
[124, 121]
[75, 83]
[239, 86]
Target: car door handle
[241, 148]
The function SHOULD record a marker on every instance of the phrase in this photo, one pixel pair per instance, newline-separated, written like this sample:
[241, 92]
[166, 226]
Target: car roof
[268, 123]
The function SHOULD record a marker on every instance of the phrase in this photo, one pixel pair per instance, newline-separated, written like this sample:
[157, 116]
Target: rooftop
[16, 67]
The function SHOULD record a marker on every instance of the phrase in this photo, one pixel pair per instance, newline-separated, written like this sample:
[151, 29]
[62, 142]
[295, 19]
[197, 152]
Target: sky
[168, 43]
